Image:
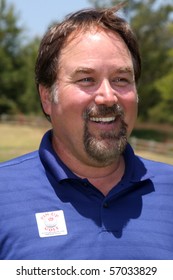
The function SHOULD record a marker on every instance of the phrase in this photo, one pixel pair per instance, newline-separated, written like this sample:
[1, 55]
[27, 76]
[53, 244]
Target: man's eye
[121, 81]
[87, 79]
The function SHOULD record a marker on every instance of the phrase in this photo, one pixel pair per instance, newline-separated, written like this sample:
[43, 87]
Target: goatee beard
[106, 148]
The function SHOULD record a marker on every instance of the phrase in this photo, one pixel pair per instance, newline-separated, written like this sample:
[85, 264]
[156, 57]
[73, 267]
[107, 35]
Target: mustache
[103, 111]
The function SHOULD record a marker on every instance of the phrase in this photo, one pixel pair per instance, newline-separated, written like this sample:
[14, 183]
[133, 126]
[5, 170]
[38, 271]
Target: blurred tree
[153, 25]
[10, 61]
[29, 99]
[17, 84]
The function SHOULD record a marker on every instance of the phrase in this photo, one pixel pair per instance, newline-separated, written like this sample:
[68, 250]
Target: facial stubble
[106, 147]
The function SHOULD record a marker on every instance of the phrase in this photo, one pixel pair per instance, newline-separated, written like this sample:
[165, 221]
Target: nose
[105, 94]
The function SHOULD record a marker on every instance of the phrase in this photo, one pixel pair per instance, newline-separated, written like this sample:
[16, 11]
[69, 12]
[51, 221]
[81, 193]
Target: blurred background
[22, 25]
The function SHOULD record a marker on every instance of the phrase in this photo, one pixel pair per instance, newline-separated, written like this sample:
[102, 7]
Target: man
[84, 194]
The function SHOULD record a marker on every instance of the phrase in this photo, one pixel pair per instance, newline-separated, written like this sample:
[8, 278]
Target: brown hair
[46, 69]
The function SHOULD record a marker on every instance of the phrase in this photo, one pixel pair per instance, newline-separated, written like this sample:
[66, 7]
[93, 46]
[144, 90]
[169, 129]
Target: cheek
[67, 116]
[73, 102]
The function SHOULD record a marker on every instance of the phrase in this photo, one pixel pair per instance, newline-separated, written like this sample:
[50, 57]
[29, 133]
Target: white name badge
[51, 223]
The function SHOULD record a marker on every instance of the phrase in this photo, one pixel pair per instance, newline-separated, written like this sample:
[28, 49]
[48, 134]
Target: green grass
[16, 140]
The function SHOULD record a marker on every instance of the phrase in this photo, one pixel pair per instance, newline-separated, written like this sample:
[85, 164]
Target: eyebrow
[83, 70]
[125, 70]
[88, 70]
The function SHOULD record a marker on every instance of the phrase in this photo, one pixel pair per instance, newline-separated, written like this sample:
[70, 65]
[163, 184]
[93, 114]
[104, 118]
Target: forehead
[95, 45]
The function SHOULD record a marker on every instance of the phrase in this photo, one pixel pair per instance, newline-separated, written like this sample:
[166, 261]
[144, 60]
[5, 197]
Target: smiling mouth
[104, 115]
[102, 119]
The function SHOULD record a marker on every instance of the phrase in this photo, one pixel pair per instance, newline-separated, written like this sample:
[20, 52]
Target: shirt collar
[135, 170]
[51, 161]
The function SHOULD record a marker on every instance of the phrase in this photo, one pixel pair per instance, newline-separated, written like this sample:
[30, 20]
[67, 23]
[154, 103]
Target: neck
[104, 178]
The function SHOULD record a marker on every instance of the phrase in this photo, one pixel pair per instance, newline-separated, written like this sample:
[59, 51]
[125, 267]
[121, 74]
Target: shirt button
[105, 205]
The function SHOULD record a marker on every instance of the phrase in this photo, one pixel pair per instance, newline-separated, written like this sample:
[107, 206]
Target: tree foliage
[153, 24]
[17, 90]
[9, 57]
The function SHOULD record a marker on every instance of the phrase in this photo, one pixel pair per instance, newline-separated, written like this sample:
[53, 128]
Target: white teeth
[108, 119]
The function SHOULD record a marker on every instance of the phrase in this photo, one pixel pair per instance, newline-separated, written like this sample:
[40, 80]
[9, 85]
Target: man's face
[97, 101]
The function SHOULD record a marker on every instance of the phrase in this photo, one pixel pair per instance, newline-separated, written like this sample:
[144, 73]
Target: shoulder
[156, 166]
[19, 162]
[159, 171]
[140, 168]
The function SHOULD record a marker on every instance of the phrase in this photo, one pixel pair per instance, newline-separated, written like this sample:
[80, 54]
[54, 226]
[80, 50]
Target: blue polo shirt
[47, 212]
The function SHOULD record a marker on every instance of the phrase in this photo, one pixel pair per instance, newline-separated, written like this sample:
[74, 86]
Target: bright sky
[36, 15]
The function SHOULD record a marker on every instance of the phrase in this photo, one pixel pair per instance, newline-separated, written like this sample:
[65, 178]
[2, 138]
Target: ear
[45, 99]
